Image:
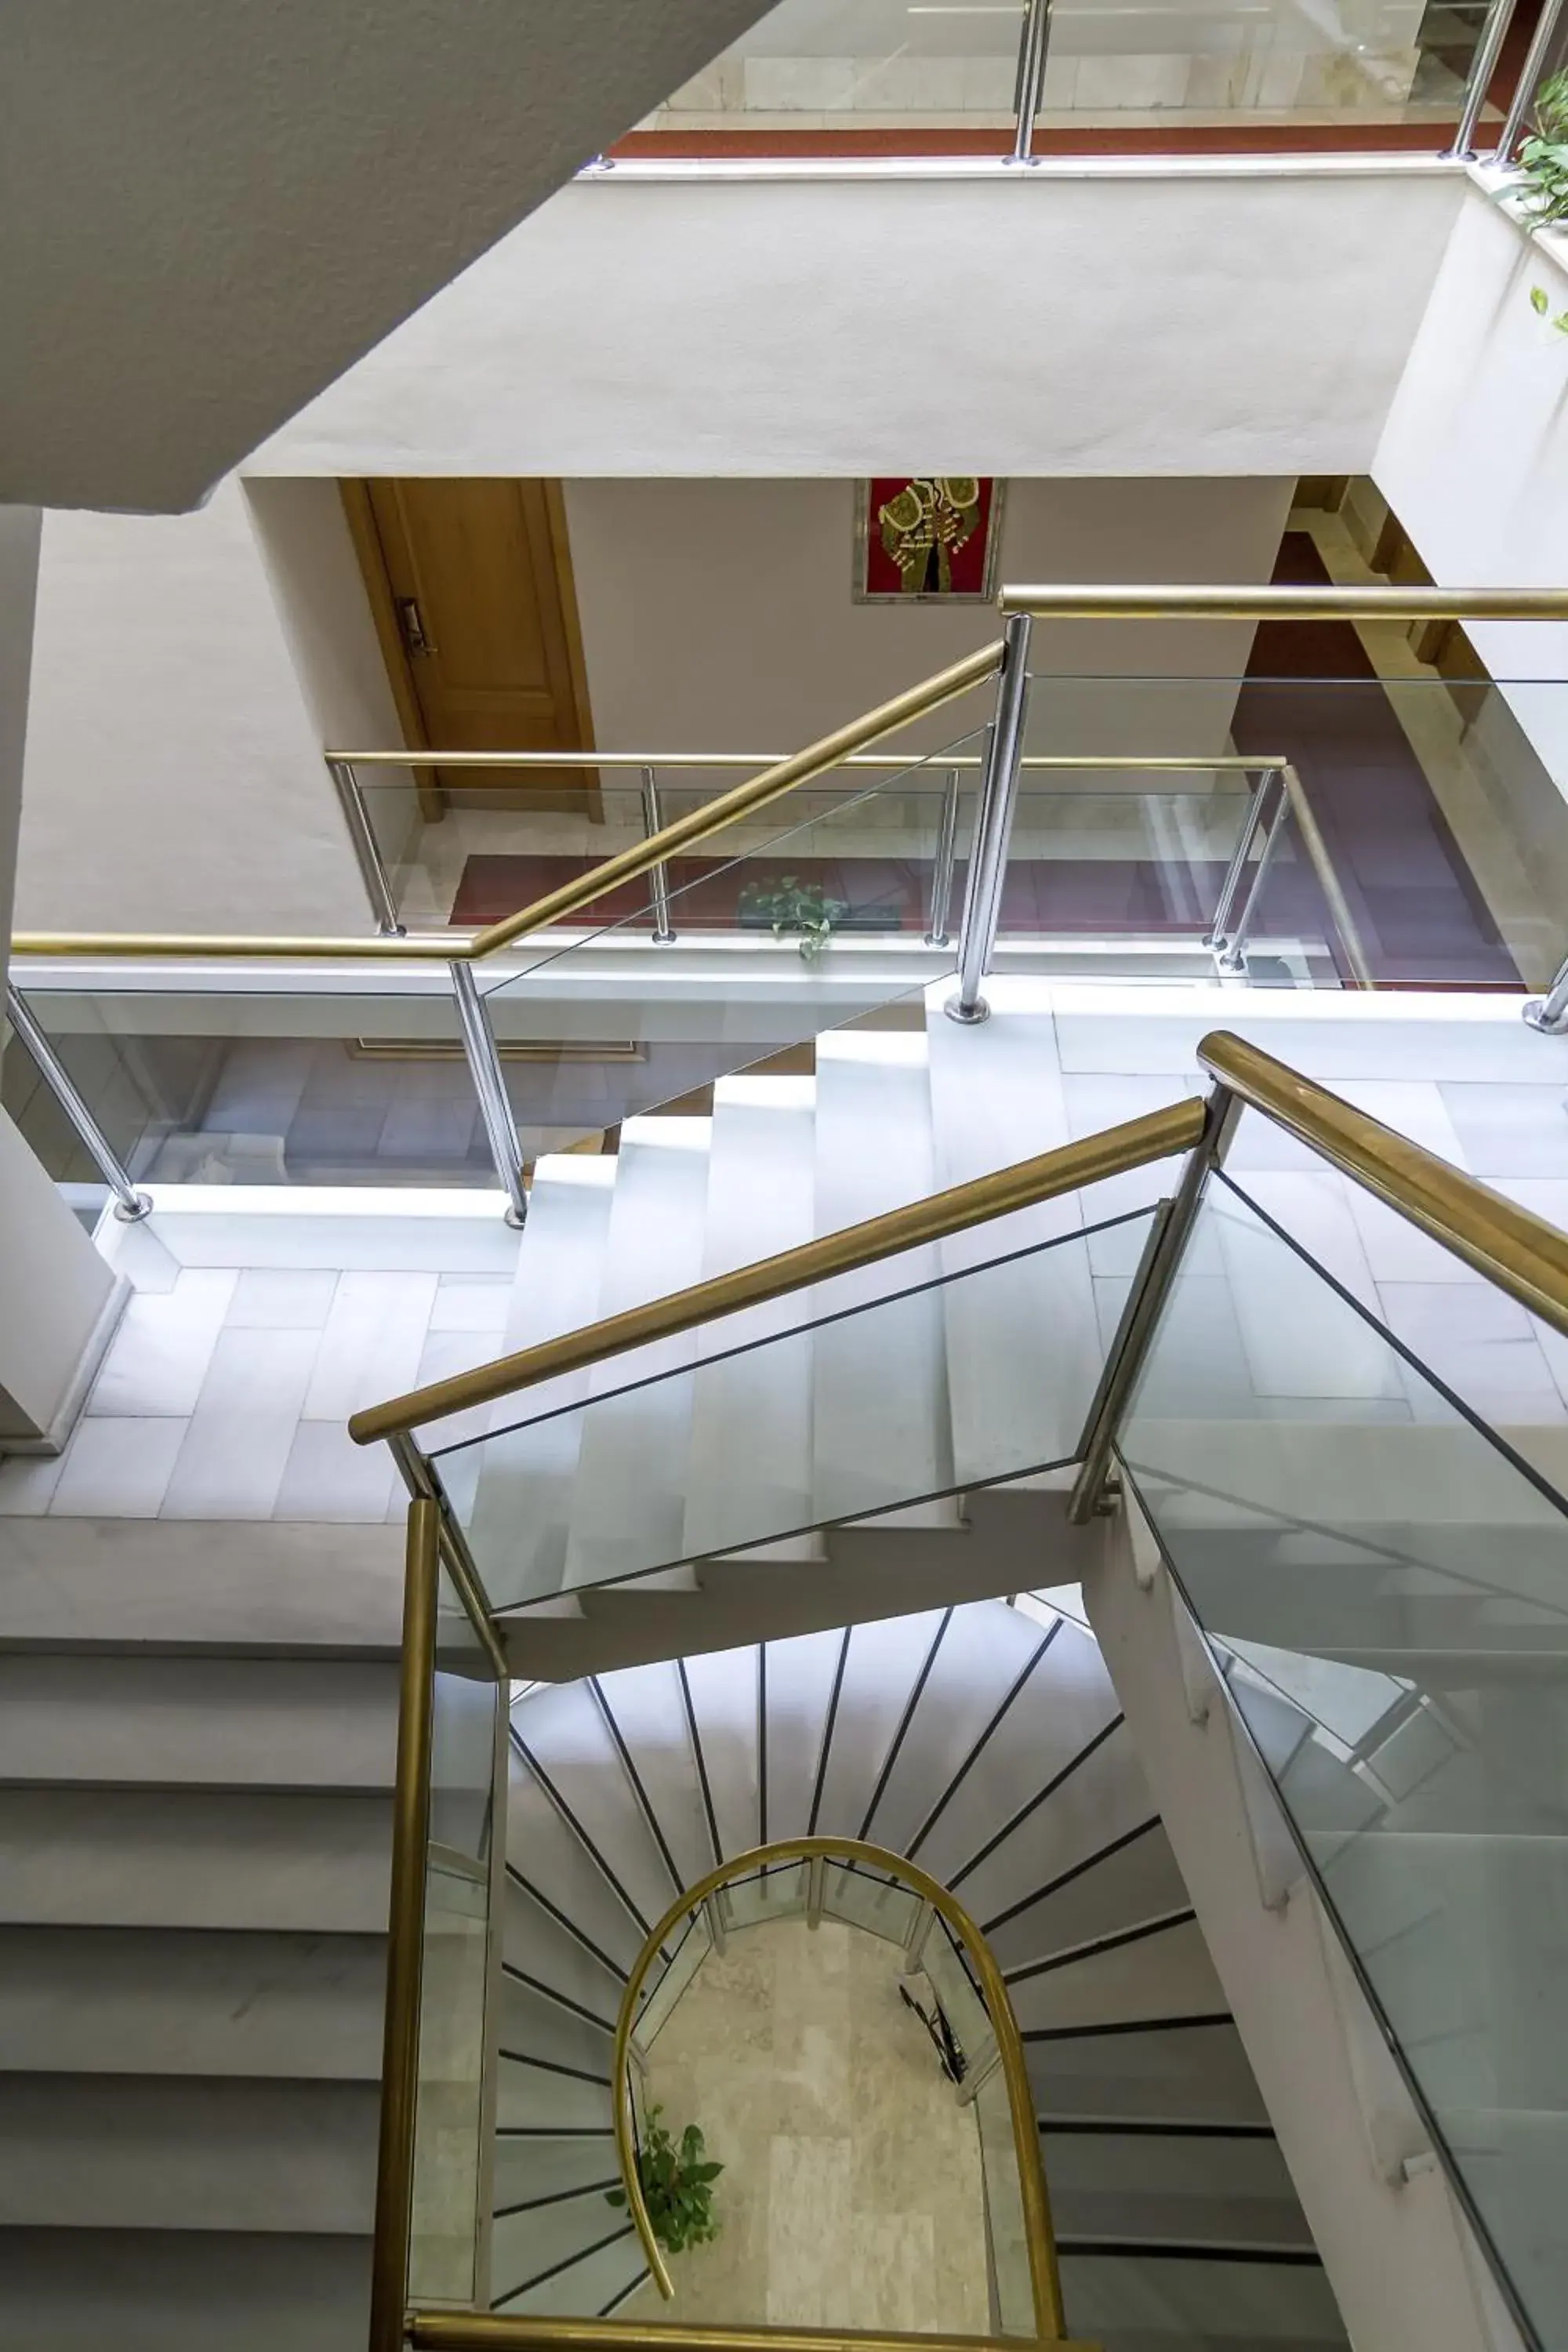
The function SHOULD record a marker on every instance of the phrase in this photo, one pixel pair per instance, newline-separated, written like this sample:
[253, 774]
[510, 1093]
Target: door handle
[412, 622]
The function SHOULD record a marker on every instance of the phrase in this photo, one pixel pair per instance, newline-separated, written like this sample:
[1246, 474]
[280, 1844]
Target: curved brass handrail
[1133, 1144]
[1045, 2282]
[1519, 1252]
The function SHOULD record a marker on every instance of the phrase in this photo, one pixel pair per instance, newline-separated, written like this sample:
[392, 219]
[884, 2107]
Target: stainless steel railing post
[938, 935]
[1548, 1013]
[1157, 1269]
[367, 853]
[658, 876]
[1483, 65]
[1033, 41]
[1230, 955]
[1530, 74]
[1218, 933]
[130, 1205]
[815, 1887]
[484, 1066]
[993, 825]
[917, 1937]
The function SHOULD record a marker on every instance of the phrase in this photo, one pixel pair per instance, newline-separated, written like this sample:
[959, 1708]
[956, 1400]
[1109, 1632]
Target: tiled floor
[226, 1391]
[851, 2191]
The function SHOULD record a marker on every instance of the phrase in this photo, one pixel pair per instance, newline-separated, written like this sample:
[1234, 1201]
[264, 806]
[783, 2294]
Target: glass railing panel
[1392, 1581]
[1007, 2239]
[669, 1978]
[491, 849]
[948, 1972]
[30, 1103]
[865, 1900]
[1425, 843]
[450, 2133]
[1173, 62]
[539, 1498]
[776, 1892]
[248, 1077]
[861, 65]
[805, 915]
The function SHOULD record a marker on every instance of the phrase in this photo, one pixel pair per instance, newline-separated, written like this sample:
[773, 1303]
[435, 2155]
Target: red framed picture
[927, 539]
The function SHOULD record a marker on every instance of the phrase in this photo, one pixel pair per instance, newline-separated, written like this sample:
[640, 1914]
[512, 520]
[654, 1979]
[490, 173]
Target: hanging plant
[677, 2182]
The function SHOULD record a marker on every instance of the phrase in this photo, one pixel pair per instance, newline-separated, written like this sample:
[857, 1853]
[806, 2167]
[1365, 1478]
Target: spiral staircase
[984, 1741]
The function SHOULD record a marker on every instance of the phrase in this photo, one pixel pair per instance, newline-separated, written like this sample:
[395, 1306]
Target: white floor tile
[327, 1476]
[117, 1469]
[1509, 1129]
[471, 1303]
[274, 1298]
[371, 1346]
[232, 1462]
[263, 1372]
[160, 1355]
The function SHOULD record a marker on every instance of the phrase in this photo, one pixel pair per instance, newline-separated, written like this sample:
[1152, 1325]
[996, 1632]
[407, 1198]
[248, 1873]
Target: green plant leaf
[615, 2197]
[1540, 300]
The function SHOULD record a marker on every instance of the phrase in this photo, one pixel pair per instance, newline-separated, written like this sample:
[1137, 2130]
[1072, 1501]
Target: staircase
[612, 1535]
[196, 1737]
[987, 1745]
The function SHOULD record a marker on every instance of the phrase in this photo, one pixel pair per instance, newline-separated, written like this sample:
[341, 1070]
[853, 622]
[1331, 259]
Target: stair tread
[200, 1723]
[151, 2153]
[880, 1427]
[627, 1509]
[166, 2000]
[760, 1201]
[187, 1859]
[514, 1494]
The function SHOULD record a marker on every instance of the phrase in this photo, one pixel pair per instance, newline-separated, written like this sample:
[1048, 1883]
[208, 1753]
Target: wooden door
[470, 584]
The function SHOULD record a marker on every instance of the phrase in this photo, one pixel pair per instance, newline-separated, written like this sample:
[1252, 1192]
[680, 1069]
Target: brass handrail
[1274, 602]
[889, 762]
[684, 833]
[1045, 2282]
[1133, 1144]
[1523, 1255]
[405, 1931]
[492, 2331]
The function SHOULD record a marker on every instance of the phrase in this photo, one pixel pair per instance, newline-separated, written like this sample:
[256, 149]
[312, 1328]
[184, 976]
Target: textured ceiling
[209, 208]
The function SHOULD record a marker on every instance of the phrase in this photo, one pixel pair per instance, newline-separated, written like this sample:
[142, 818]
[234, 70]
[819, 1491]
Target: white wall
[58, 1298]
[1080, 318]
[173, 777]
[717, 615]
[1473, 461]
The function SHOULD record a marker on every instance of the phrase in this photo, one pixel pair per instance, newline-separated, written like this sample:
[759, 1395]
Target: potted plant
[677, 2182]
[1544, 160]
[792, 908]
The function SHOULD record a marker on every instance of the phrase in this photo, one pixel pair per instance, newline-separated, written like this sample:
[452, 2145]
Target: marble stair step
[71, 2290]
[190, 1859]
[749, 1461]
[197, 1722]
[143, 2152]
[628, 1498]
[514, 1494]
[176, 2002]
[880, 1426]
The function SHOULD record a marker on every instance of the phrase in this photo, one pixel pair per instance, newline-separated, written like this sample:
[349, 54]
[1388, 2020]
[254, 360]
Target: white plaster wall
[717, 615]
[314, 573]
[1075, 319]
[1474, 455]
[173, 777]
[56, 1295]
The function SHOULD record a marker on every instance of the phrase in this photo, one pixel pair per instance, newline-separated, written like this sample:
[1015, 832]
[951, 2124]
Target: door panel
[472, 579]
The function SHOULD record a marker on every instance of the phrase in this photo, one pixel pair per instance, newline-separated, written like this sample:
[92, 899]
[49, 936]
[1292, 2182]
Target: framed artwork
[927, 539]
